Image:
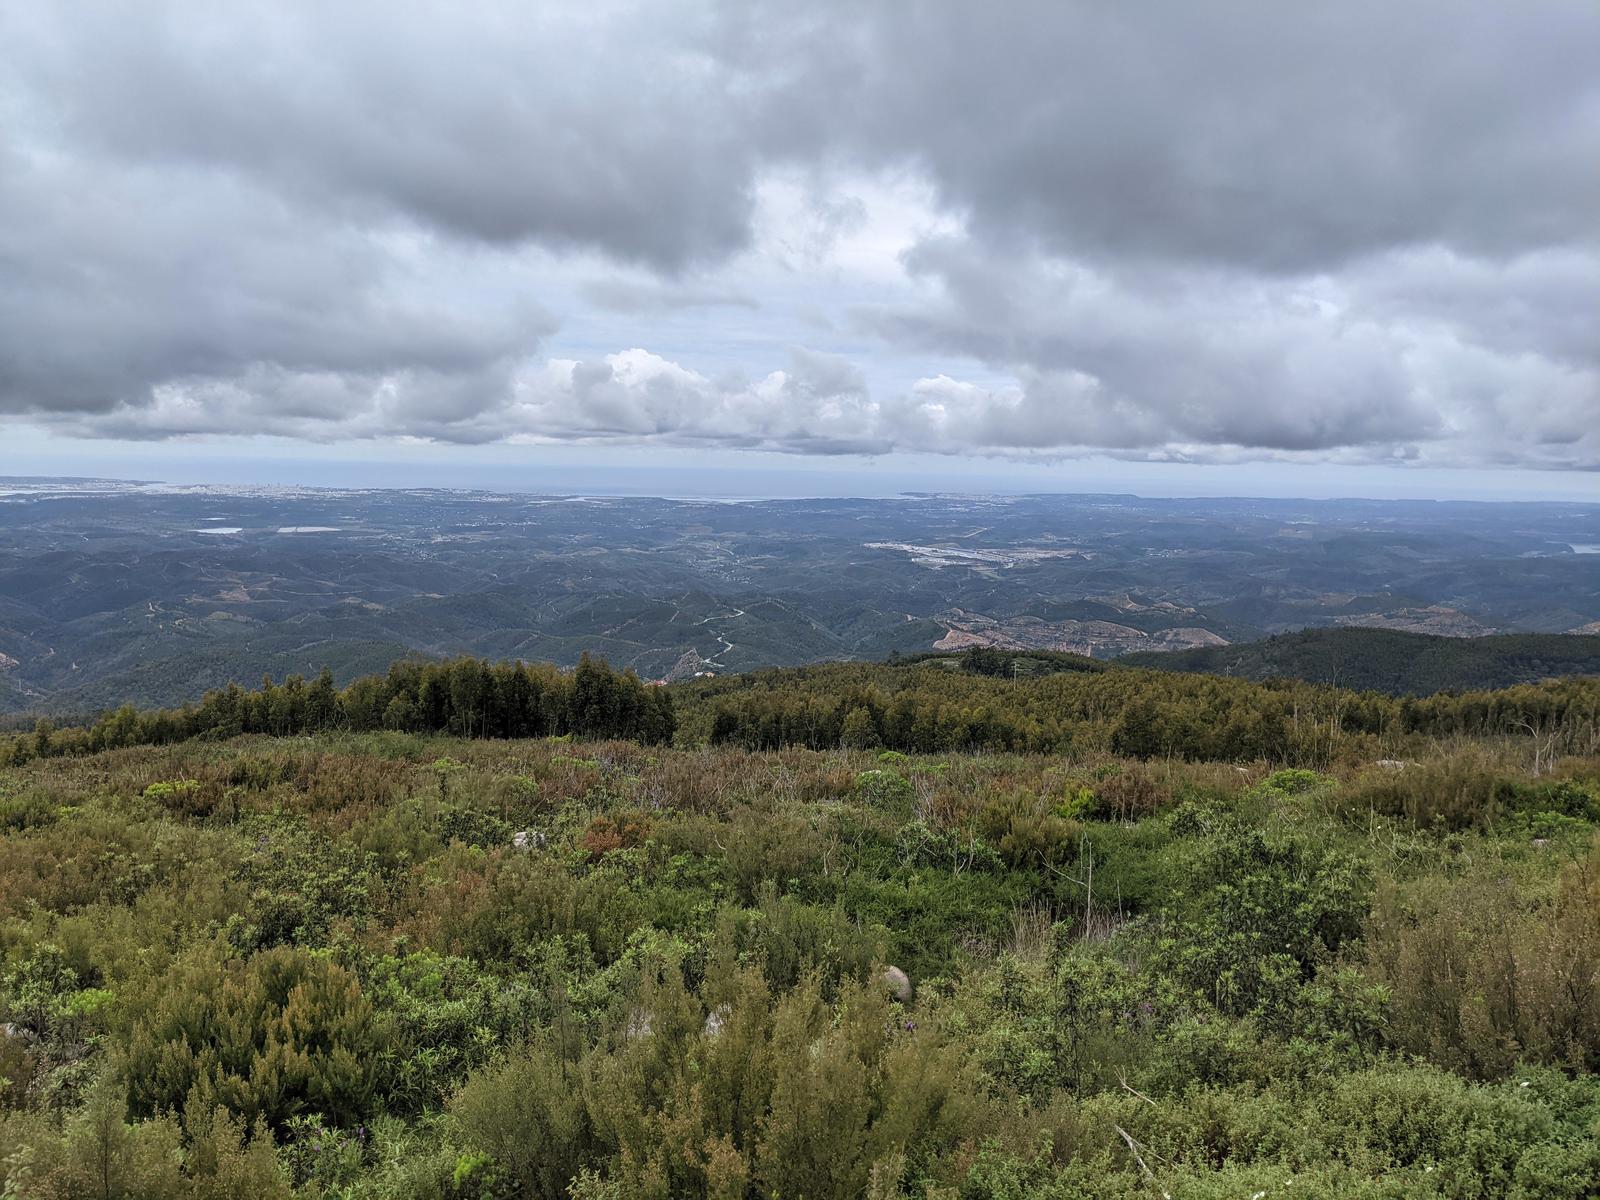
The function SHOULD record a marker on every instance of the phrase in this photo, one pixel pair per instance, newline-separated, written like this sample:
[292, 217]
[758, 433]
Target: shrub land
[933, 930]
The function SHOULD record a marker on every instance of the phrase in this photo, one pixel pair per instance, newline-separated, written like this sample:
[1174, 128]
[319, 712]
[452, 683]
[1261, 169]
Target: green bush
[1027, 830]
[1483, 977]
[280, 1034]
[436, 1018]
[1253, 913]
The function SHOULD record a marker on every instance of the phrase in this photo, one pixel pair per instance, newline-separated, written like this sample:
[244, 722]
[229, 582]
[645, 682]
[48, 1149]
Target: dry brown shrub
[624, 831]
[1136, 790]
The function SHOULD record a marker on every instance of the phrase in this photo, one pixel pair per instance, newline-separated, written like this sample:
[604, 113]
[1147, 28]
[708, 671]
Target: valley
[113, 591]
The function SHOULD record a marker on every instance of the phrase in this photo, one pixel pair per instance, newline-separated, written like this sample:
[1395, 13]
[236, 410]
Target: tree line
[920, 708]
[1141, 714]
[466, 697]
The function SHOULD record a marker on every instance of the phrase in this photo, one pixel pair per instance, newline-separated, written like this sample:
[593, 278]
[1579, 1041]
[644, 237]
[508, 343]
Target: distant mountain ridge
[1389, 660]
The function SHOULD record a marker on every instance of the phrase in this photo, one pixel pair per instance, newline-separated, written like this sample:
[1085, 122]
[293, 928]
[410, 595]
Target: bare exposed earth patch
[1435, 619]
[1100, 639]
[687, 667]
[978, 558]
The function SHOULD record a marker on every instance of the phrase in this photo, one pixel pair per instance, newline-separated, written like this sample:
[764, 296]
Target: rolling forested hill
[1392, 661]
[113, 593]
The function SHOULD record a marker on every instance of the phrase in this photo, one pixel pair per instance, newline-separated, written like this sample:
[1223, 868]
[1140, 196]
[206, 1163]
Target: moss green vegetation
[1164, 935]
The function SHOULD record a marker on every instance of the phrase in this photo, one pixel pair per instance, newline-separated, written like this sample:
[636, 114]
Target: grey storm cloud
[1240, 362]
[1278, 137]
[652, 296]
[1356, 229]
[584, 126]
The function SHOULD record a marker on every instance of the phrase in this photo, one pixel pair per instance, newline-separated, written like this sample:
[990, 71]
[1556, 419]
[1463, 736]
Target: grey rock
[898, 983]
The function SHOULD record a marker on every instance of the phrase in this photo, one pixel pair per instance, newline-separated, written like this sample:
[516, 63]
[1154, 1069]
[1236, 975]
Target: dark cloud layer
[1357, 230]
[1277, 137]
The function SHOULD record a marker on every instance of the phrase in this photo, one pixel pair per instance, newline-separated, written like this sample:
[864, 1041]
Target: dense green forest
[939, 929]
[466, 697]
[978, 701]
[933, 706]
[1388, 660]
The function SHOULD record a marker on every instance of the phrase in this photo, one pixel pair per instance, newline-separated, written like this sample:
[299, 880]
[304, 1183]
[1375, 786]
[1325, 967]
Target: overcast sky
[1351, 246]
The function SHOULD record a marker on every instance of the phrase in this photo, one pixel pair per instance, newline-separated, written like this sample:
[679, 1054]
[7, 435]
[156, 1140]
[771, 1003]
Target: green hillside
[1387, 660]
[476, 931]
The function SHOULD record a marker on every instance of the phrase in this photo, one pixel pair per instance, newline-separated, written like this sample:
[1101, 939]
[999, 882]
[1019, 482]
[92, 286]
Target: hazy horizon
[803, 479]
